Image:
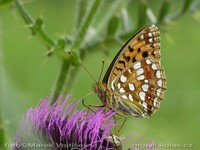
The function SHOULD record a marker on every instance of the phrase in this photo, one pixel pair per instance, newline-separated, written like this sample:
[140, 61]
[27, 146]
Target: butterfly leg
[92, 105]
[115, 119]
[88, 107]
[125, 118]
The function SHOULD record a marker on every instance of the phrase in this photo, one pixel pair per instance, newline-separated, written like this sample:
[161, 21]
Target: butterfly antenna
[81, 65]
[101, 71]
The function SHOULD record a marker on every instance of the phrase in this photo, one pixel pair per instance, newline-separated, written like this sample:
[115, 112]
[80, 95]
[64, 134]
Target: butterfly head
[101, 90]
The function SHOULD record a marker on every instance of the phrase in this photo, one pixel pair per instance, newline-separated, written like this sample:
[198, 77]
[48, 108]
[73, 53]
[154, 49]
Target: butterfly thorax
[104, 94]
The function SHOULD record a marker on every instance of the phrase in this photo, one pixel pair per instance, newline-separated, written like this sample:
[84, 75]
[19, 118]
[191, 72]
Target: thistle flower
[63, 127]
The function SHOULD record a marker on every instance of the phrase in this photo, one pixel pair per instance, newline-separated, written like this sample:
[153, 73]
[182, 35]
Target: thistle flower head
[62, 126]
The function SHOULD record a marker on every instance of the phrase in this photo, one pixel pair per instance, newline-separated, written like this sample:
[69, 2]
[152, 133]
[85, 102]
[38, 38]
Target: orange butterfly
[135, 83]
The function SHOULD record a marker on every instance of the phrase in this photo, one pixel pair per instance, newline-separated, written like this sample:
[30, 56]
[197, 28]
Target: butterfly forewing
[146, 42]
[135, 81]
[136, 75]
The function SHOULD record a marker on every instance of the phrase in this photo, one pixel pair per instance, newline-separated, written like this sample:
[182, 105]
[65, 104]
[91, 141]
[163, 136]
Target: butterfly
[134, 83]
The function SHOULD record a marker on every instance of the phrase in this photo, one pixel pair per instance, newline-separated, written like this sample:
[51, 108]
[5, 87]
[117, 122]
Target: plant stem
[79, 37]
[81, 11]
[114, 8]
[35, 26]
[61, 79]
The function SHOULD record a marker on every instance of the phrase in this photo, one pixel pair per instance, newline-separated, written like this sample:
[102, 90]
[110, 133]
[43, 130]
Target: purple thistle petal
[64, 124]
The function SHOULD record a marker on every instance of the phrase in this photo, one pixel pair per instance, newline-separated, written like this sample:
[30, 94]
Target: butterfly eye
[101, 88]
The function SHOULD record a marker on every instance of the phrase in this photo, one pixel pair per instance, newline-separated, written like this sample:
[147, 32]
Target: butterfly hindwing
[142, 85]
[136, 75]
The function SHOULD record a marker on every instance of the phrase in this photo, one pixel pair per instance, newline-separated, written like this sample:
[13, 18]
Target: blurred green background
[27, 75]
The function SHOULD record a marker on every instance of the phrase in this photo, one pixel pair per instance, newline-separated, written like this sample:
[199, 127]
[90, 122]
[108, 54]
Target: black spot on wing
[127, 58]
[122, 62]
[152, 53]
[133, 60]
[145, 54]
[152, 45]
[119, 68]
[130, 48]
